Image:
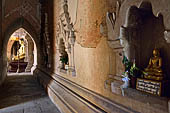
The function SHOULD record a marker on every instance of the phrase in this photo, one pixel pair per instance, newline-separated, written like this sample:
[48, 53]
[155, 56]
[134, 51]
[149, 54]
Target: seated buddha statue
[20, 52]
[153, 70]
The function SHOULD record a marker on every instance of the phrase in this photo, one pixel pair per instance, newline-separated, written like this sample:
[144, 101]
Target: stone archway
[21, 22]
[29, 48]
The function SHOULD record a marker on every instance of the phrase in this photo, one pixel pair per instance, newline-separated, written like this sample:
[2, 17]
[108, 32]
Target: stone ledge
[64, 98]
[89, 98]
[159, 103]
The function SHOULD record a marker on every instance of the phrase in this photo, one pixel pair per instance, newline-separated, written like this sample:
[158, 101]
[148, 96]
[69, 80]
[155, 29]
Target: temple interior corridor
[84, 56]
[21, 93]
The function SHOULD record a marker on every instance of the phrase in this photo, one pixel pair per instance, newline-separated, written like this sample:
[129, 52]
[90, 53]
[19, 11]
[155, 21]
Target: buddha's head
[155, 52]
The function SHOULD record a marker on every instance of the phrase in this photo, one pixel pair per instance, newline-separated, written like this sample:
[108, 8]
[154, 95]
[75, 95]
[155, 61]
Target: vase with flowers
[132, 72]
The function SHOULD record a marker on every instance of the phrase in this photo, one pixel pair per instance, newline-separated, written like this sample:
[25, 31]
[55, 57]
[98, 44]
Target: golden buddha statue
[20, 52]
[153, 70]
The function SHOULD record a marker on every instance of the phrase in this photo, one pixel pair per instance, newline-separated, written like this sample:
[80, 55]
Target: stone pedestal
[14, 66]
[115, 87]
[116, 84]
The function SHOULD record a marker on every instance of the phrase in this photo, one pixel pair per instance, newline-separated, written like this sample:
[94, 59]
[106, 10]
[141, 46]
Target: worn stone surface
[22, 94]
[91, 14]
[169, 105]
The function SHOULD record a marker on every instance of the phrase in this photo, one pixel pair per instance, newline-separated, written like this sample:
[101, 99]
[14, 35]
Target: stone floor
[22, 94]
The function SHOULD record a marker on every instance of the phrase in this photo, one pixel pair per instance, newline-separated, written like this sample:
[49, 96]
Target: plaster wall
[93, 65]
[90, 15]
[94, 55]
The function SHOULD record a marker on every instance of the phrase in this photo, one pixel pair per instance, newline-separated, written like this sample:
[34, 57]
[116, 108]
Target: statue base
[15, 65]
[159, 88]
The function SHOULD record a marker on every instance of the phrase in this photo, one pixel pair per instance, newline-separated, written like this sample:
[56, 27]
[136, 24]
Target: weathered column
[35, 59]
[26, 50]
[72, 65]
[30, 57]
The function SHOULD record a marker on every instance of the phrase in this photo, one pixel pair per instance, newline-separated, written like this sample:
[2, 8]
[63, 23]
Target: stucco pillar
[72, 65]
[26, 50]
[30, 57]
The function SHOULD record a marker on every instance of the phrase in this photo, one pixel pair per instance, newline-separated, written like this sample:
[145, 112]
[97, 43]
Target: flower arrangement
[131, 73]
[130, 68]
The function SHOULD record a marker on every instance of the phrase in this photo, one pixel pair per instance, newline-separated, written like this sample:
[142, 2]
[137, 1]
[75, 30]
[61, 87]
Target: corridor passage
[22, 94]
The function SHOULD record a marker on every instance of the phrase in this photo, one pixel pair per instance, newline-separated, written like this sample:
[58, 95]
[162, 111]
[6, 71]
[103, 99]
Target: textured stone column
[35, 59]
[26, 50]
[30, 57]
[72, 65]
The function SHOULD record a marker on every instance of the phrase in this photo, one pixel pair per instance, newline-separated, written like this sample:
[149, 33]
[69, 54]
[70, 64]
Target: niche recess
[141, 33]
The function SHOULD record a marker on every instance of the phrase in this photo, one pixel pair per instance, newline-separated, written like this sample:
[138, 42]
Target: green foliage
[64, 59]
[130, 68]
[134, 71]
[127, 63]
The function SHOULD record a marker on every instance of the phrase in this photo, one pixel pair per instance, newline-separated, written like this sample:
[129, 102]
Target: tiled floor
[22, 94]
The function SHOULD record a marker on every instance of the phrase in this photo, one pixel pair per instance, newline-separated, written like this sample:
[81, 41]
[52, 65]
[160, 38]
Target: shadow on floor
[19, 89]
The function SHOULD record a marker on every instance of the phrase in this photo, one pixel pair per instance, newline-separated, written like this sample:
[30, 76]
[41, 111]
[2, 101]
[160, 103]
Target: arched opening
[21, 52]
[19, 23]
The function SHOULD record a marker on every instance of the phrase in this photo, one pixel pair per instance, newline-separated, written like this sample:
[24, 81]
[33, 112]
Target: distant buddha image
[21, 51]
[154, 70]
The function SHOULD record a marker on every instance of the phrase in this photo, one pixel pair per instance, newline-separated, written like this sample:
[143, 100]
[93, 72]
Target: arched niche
[141, 33]
[18, 23]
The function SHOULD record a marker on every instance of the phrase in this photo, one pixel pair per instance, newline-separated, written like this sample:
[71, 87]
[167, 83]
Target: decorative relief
[111, 18]
[66, 33]
[116, 82]
[47, 44]
[167, 35]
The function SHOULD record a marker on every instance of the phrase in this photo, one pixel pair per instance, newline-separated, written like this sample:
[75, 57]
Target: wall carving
[46, 49]
[111, 20]
[65, 31]
[167, 36]
[115, 81]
